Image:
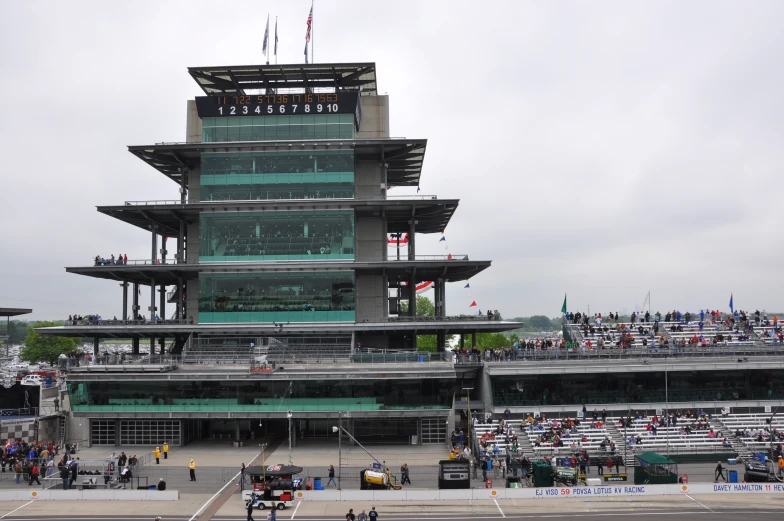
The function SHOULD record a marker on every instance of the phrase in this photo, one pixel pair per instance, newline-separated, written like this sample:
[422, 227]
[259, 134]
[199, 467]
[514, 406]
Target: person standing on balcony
[165, 450]
[157, 453]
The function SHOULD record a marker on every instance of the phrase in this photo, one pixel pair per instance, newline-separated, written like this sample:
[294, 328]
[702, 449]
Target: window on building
[250, 236]
[278, 128]
[260, 176]
[276, 297]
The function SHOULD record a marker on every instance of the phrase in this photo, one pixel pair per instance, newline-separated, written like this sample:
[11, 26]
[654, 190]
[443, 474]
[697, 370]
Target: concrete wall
[485, 389]
[194, 184]
[193, 124]
[369, 243]
[192, 299]
[375, 117]
[371, 298]
[368, 178]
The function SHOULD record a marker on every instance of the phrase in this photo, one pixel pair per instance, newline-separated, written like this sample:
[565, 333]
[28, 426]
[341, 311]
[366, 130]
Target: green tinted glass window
[276, 297]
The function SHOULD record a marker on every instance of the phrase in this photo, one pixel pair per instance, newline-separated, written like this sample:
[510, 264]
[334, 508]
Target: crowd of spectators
[689, 424]
[120, 260]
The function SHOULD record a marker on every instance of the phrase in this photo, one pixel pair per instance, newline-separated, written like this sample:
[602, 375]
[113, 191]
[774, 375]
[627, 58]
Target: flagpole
[313, 34]
[276, 40]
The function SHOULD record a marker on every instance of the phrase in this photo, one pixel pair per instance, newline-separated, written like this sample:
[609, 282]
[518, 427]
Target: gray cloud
[602, 151]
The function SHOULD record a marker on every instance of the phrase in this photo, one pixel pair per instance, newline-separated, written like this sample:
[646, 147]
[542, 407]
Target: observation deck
[432, 214]
[402, 157]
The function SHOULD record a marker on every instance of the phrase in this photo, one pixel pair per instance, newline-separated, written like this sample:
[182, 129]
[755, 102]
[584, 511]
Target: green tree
[424, 308]
[45, 348]
[540, 323]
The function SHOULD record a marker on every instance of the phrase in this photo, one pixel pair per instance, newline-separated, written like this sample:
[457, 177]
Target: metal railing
[137, 262]
[458, 318]
[117, 322]
[415, 197]
[155, 202]
[532, 355]
[446, 256]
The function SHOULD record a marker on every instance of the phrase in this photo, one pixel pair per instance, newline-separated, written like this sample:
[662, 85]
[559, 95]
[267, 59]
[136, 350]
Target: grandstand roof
[14, 312]
[315, 77]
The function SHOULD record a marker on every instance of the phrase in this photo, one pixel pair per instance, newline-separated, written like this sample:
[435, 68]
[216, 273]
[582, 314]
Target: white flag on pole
[266, 39]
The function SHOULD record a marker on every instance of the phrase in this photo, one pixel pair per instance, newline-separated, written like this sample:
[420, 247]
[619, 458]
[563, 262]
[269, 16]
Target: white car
[32, 379]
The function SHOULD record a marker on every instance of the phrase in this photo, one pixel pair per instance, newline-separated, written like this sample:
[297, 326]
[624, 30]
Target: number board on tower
[280, 105]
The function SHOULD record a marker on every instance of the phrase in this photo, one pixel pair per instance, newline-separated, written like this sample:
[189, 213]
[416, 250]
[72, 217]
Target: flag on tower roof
[467, 285]
[473, 304]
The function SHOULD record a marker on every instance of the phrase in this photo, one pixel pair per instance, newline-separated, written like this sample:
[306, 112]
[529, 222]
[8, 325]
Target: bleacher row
[644, 339]
[589, 437]
[754, 424]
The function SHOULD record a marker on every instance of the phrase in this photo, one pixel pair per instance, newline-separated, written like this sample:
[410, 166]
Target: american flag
[310, 23]
[307, 34]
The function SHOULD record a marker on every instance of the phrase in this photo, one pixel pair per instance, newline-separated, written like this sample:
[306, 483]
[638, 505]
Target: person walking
[373, 515]
[34, 474]
[719, 473]
[249, 508]
[65, 475]
[350, 516]
[157, 453]
[404, 478]
[192, 467]
[18, 470]
[241, 482]
[165, 450]
[332, 476]
[273, 515]
[362, 516]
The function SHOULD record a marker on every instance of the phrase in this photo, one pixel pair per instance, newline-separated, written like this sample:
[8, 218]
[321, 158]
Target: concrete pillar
[96, 342]
[412, 239]
[152, 345]
[152, 300]
[412, 294]
[135, 307]
[154, 243]
[163, 302]
[462, 341]
[125, 301]
[135, 345]
[473, 339]
[437, 297]
[181, 243]
[236, 429]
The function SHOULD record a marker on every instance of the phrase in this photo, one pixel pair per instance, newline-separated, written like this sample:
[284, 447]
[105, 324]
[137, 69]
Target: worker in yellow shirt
[192, 466]
[165, 450]
[157, 452]
[781, 466]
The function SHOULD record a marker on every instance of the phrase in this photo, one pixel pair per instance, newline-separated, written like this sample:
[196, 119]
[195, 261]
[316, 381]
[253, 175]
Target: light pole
[666, 404]
[339, 429]
[468, 408]
[289, 415]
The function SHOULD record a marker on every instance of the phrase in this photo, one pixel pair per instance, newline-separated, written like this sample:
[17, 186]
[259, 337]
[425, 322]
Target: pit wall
[89, 495]
[729, 489]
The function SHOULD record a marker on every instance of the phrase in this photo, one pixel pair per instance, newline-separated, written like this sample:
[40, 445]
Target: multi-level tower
[283, 220]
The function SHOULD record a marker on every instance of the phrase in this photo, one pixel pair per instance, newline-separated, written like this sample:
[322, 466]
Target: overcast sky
[599, 149]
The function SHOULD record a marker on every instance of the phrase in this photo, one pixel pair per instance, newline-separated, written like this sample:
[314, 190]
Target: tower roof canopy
[314, 77]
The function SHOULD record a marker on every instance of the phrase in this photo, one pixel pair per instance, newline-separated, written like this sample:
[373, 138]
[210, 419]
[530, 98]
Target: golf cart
[272, 486]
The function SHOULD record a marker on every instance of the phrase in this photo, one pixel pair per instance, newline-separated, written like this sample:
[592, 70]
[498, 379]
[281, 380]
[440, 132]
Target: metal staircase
[744, 453]
[622, 447]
